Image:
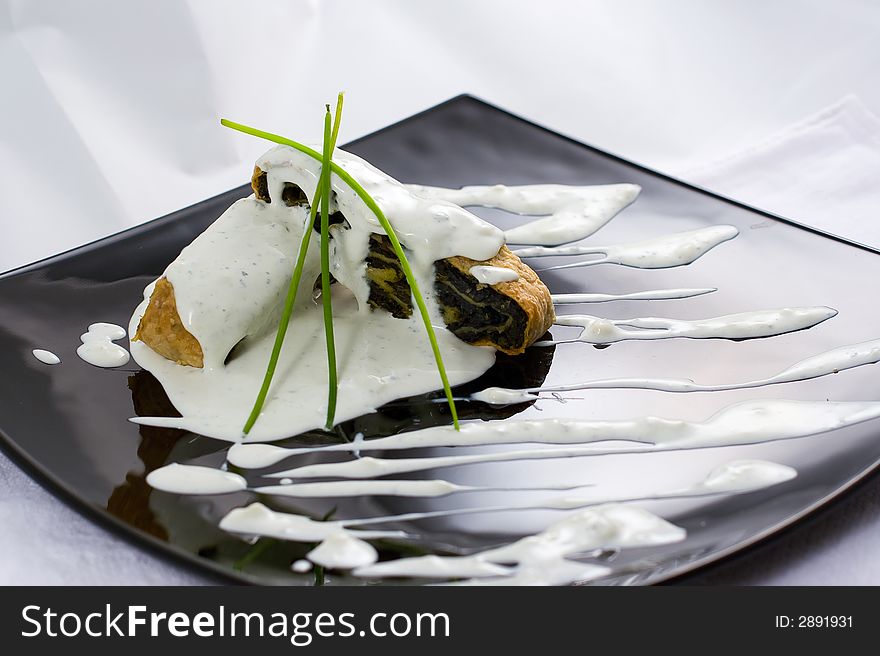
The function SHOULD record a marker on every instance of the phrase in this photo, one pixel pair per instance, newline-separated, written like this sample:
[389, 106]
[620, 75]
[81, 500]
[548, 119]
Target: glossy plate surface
[69, 425]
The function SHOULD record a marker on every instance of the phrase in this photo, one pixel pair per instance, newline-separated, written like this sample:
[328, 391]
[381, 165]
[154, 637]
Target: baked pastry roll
[508, 316]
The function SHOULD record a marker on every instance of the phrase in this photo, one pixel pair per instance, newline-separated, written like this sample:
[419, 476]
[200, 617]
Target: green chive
[291, 294]
[319, 569]
[253, 553]
[285, 320]
[389, 230]
[325, 272]
[338, 119]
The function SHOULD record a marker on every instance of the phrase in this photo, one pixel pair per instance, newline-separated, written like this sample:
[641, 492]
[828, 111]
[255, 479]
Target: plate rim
[174, 554]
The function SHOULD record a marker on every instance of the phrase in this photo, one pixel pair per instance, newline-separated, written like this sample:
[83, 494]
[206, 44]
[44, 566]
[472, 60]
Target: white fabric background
[109, 116]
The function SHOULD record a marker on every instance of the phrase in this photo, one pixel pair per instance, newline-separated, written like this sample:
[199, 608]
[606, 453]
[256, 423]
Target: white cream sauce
[46, 357]
[663, 252]
[556, 571]
[542, 559]
[735, 477]
[331, 489]
[492, 275]
[257, 519]
[504, 396]
[193, 479]
[341, 550]
[301, 566]
[215, 402]
[97, 346]
[435, 567]
[649, 295]
[575, 211]
[744, 325]
[369, 467]
[824, 364]
[747, 422]
[256, 456]
[431, 229]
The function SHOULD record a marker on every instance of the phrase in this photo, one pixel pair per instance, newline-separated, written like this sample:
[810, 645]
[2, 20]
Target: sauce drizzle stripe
[662, 252]
[824, 364]
[734, 477]
[746, 422]
[650, 295]
[740, 326]
[575, 211]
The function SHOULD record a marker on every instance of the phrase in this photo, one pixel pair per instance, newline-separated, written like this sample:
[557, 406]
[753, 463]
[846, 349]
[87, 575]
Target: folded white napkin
[823, 171]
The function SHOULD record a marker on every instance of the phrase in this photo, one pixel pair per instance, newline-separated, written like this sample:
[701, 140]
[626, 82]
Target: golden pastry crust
[160, 328]
[260, 185]
[528, 292]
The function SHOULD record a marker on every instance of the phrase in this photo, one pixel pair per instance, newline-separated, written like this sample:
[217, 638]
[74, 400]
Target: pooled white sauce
[747, 422]
[46, 357]
[341, 550]
[816, 366]
[216, 402]
[492, 275]
[663, 252]
[257, 519]
[650, 295]
[575, 212]
[744, 325]
[542, 559]
[97, 346]
[192, 479]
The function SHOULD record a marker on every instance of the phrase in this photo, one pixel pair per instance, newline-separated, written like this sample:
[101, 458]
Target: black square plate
[68, 424]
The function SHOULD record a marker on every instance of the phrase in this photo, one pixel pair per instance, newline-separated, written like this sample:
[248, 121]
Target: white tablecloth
[109, 118]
